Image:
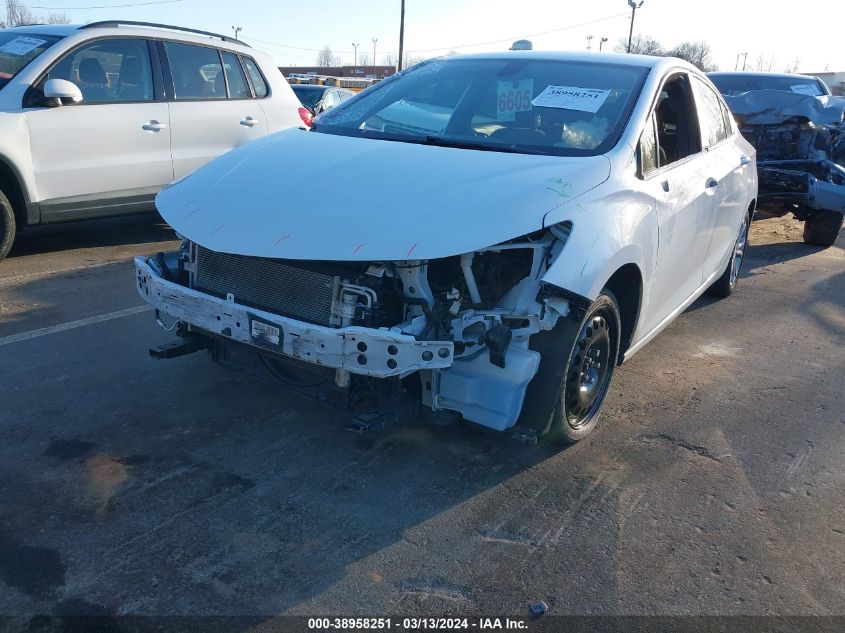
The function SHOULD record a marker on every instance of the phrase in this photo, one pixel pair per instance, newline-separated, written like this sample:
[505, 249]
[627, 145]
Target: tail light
[306, 116]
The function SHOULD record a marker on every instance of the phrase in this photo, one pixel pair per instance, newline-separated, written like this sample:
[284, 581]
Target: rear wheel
[578, 359]
[7, 226]
[822, 228]
[725, 284]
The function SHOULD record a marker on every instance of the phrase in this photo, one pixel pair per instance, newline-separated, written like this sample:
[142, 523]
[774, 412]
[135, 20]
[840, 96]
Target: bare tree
[389, 59]
[792, 67]
[411, 61]
[699, 54]
[451, 52]
[363, 59]
[762, 64]
[19, 15]
[325, 57]
[640, 45]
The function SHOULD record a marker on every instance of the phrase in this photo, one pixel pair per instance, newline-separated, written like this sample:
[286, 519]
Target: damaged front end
[800, 143]
[376, 339]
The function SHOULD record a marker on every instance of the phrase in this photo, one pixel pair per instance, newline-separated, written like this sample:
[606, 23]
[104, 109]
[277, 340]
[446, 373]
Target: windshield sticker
[805, 89]
[21, 45]
[513, 97]
[571, 98]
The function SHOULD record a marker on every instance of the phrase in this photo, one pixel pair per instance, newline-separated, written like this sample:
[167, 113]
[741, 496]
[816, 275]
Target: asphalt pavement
[714, 484]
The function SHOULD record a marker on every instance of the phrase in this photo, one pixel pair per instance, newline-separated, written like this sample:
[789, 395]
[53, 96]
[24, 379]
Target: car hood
[306, 195]
[768, 107]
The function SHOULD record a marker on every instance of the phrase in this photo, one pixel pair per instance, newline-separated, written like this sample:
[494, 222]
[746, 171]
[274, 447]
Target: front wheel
[7, 226]
[577, 361]
[822, 228]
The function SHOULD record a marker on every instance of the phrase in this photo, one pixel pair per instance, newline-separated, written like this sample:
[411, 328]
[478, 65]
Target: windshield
[737, 84]
[518, 105]
[18, 49]
[308, 96]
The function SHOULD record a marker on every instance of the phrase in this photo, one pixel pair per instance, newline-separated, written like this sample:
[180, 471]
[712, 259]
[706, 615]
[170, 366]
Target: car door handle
[744, 160]
[665, 186]
[153, 126]
[249, 121]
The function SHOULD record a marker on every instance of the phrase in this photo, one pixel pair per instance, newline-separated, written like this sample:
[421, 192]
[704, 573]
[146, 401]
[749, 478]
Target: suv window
[678, 132]
[196, 70]
[711, 114]
[255, 76]
[238, 88]
[110, 70]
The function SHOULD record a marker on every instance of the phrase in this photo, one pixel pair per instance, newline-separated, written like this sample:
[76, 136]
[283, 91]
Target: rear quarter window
[259, 84]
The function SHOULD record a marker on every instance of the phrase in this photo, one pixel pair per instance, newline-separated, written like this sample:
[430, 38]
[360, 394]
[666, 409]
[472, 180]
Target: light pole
[375, 39]
[237, 29]
[355, 64]
[401, 34]
[601, 43]
[589, 42]
[634, 6]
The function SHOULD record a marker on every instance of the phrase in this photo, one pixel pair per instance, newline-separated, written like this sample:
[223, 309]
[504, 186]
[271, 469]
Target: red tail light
[306, 116]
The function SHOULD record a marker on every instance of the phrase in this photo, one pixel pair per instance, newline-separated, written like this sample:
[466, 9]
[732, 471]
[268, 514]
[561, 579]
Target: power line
[446, 48]
[102, 6]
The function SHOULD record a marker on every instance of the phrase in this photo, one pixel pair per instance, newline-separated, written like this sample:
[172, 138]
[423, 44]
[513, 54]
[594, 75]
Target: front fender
[608, 232]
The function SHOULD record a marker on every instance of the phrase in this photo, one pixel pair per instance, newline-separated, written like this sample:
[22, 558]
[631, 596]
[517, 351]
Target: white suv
[96, 119]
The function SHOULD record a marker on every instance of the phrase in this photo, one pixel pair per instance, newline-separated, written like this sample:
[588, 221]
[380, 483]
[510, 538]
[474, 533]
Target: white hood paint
[304, 195]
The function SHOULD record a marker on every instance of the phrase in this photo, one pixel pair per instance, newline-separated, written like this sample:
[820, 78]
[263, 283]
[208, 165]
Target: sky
[777, 33]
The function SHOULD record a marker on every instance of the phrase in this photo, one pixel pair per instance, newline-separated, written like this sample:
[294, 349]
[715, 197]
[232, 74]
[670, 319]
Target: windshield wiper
[484, 147]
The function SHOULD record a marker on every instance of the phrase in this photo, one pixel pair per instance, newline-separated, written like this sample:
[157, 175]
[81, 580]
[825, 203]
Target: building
[377, 72]
[835, 80]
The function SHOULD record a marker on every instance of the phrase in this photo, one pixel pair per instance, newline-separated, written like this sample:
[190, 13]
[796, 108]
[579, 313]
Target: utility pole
[237, 29]
[589, 42]
[634, 6]
[601, 43]
[375, 39]
[401, 34]
[355, 64]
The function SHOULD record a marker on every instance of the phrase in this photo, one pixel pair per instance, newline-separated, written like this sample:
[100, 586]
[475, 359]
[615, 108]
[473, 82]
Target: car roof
[113, 27]
[61, 30]
[309, 87]
[620, 59]
[751, 73]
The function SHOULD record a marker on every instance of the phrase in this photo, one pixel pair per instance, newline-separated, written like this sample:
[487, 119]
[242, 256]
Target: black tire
[822, 228]
[724, 285]
[577, 361]
[7, 226]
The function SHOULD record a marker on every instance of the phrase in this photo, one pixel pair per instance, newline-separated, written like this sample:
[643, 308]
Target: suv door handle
[249, 121]
[153, 126]
[744, 160]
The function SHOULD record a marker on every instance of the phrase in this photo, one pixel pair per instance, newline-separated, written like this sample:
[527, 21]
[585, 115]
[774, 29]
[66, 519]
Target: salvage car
[798, 129]
[532, 220]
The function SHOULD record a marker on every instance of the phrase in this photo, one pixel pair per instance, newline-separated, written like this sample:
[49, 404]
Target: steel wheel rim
[589, 371]
[739, 252]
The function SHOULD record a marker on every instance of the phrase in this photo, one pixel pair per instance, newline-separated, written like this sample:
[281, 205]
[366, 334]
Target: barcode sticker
[572, 98]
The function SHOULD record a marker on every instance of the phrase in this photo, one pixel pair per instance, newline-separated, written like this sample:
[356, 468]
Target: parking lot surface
[713, 485]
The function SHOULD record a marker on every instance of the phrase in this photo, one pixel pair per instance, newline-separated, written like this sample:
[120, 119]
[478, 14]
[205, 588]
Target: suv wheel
[822, 228]
[7, 226]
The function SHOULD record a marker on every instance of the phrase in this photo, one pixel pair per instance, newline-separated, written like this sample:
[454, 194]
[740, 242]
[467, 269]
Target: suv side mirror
[62, 90]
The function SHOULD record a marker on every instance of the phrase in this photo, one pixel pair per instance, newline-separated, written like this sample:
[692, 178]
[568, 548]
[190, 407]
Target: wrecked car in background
[537, 219]
[798, 129]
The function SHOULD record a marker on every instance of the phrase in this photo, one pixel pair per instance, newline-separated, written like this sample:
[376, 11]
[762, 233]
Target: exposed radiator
[273, 285]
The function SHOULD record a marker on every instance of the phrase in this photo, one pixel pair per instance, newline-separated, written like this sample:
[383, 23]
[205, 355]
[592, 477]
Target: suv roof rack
[115, 23]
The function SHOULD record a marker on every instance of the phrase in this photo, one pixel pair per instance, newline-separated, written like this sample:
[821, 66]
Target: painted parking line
[72, 325]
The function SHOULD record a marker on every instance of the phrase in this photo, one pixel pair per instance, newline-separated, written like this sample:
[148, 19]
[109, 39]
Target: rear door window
[711, 114]
[197, 72]
[238, 88]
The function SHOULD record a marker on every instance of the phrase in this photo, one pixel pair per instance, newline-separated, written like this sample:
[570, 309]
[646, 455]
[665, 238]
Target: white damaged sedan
[480, 237]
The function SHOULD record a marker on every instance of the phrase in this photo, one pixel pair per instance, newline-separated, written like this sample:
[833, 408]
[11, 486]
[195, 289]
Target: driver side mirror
[61, 91]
